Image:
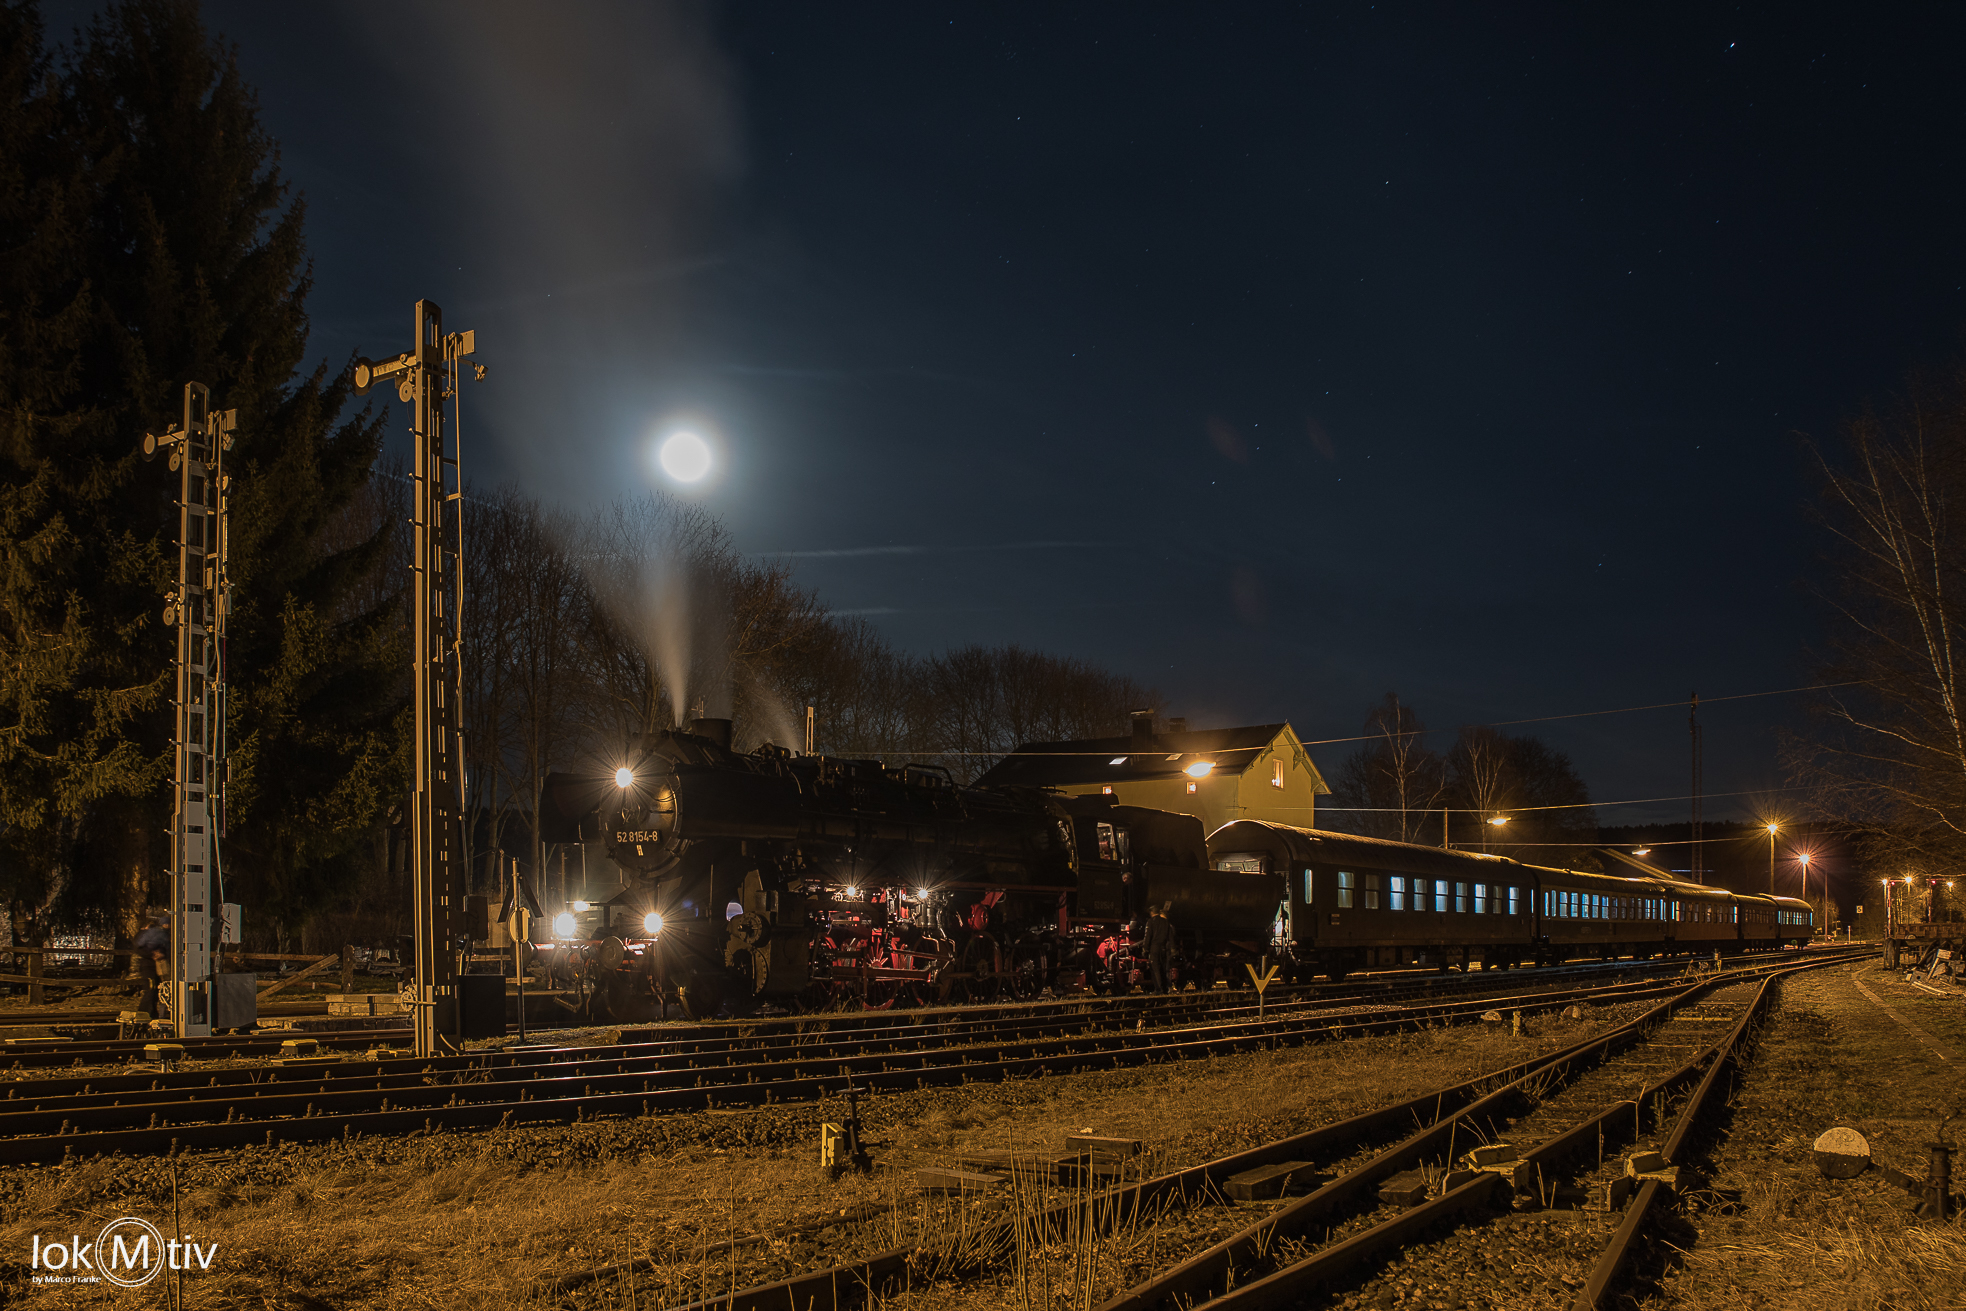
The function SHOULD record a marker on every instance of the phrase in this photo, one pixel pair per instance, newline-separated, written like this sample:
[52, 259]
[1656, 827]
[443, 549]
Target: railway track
[1641, 1086]
[44, 1054]
[52, 1053]
[44, 1120]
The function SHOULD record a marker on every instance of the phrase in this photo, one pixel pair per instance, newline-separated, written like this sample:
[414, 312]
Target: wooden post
[36, 995]
[347, 969]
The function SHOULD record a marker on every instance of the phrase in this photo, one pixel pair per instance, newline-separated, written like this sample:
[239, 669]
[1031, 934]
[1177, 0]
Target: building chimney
[1143, 728]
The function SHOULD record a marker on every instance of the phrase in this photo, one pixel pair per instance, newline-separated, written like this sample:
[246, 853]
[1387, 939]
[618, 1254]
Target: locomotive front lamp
[652, 923]
[582, 905]
[921, 894]
[1199, 769]
[624, 777]
[563, 924]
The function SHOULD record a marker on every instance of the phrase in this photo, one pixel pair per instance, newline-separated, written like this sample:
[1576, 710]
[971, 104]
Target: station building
[1217, 774]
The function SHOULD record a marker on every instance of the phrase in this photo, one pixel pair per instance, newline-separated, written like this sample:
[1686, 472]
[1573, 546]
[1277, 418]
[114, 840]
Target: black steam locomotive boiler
[802, 879]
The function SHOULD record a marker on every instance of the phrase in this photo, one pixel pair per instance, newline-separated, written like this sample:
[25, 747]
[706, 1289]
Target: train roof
[1306, 843]
[1321, 844]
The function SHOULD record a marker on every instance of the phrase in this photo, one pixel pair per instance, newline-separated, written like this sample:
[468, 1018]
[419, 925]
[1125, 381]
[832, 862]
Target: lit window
[1460, 898]
[1191, 787]
[1108, 791]
[1396, 892]
[1346, 882]
[1276, 773]
[1514, 904]
[1481, 899]
[1440, 895]
[1307, 887]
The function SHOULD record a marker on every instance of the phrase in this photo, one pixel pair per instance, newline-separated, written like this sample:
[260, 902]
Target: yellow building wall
[1223, 797]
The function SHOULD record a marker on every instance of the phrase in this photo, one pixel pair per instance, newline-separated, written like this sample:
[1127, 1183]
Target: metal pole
[425, 376]
[197, 609]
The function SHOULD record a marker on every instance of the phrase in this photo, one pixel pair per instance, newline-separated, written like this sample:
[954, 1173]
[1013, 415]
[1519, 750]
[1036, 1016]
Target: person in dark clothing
[1160, 945]
[153, 948]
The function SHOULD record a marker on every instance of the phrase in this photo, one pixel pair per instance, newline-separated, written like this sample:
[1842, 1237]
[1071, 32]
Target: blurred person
[1160, 945]
[153, 948]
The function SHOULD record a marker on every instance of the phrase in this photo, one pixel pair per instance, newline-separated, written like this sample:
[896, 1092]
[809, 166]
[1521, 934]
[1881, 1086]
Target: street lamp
[1496, 821]
[1803, 856]
[1773, 829]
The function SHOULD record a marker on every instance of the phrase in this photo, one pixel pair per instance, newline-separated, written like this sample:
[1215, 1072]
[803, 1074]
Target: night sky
[1278, 356]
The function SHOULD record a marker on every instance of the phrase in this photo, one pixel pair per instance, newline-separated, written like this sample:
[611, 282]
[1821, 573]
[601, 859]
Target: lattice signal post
[425, 377]
[198, 611]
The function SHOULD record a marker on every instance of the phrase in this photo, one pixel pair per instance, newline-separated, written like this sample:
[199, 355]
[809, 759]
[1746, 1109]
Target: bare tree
[1530, 785]
[1891, 756]
[1389, 786]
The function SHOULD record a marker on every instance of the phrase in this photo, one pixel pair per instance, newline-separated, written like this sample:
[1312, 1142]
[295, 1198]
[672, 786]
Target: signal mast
[197, 610]
[425, 377]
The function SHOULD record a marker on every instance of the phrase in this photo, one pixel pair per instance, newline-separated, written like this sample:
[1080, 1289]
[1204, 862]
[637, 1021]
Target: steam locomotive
[800, 880]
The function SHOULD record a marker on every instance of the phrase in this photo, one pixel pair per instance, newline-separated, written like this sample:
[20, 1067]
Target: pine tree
[150, 240]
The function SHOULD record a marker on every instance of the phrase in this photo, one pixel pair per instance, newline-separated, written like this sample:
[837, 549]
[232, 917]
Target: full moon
[685, 457]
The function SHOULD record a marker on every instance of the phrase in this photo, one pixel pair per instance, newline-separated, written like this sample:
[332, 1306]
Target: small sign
[1264, 979]
[1860, 910]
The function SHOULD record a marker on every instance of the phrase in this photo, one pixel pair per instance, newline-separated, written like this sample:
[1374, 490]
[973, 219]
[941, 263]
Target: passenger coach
[1356, 903]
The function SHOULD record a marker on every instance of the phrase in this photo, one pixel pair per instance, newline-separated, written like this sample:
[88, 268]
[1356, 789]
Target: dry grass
[494, 1219]
[1846, 1269]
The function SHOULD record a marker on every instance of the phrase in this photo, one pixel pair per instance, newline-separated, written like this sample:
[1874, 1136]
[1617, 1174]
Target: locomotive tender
[798, 879]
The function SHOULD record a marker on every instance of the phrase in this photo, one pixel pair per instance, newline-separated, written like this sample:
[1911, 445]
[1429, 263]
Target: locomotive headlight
[853, 892]
[921, 893]
[563, 924]
[582, 905]
[1200, 769]
[652, 923]
[624, 777]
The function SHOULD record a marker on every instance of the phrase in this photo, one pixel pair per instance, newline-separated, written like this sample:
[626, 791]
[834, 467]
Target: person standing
[153, 948]
[1160, 944]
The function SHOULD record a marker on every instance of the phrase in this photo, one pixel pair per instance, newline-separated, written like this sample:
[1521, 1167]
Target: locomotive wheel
[702, 996]
[883, 995]
[1026, 971]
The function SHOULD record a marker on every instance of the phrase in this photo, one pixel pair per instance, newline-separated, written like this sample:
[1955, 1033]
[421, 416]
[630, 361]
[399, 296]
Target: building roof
[1139, 757]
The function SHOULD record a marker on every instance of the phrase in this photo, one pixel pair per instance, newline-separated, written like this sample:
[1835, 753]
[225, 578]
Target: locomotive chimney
[1143, 729]
[717, 730]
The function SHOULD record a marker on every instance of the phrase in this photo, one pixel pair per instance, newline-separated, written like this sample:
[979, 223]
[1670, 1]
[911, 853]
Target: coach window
[1460, 898]
[1108, 848]
[1396, 892]
[1440, 895]
[1307, 887]
[1372, 892]
[1345, 880]
[1481, 899]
